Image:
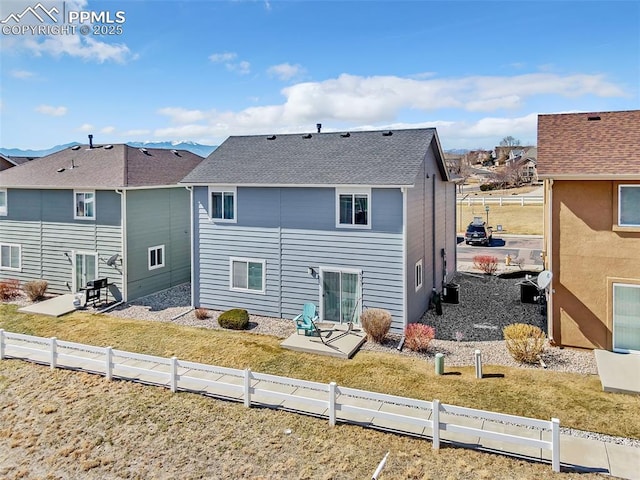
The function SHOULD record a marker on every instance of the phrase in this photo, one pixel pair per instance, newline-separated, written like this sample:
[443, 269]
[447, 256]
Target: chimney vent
[591, 119]
[90, 141]
[319, 127]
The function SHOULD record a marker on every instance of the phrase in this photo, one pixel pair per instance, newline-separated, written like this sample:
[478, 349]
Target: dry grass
[514, 219]
[578, 400]
[71, 425]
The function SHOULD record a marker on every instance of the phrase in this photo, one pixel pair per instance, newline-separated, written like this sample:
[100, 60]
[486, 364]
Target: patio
[339, 341]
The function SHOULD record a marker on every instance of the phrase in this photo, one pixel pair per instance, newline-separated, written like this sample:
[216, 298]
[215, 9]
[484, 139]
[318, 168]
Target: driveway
[520, 247]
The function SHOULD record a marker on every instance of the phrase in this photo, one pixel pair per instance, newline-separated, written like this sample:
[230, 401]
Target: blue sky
[203, 70]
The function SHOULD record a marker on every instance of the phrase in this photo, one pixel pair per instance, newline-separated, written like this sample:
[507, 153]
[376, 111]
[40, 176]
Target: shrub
[524, 342]
[201, 313]
[418, 337]
[234, 319]
[487, 263]
[9, 289]
[376, 323]
[36, 289]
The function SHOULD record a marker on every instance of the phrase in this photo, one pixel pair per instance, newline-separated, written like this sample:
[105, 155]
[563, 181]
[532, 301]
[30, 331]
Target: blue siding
[292, 229]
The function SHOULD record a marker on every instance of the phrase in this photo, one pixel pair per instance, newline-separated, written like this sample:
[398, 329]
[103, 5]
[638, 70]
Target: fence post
[2, 344]
[174, 374]
[522, 201]
[108, 373]
[54, 352]
[436, 424]
[500, 201]
[247, 388]
[332, 403]
[555, 444]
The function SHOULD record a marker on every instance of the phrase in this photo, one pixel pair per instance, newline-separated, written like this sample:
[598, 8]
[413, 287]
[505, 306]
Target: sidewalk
[580, 454]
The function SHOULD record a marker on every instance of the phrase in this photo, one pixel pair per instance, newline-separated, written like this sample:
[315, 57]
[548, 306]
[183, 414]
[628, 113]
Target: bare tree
[509, 141]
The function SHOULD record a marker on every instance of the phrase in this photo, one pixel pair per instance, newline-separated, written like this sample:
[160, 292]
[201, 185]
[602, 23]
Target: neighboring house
[523, 163]
[8, 162]
[343, 220]
[589, 163]
[63, 216]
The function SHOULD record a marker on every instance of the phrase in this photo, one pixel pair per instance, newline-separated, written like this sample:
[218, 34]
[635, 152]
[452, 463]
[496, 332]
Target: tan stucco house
[590, 164]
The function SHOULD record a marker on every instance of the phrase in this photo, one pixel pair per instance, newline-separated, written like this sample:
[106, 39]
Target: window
[10, 256]
[156, 257]
[85, 205]
[247, 275]
[353, 208]
[419, 275]
[223, 204]
[629, 205]
[3, 202]
[626, 312]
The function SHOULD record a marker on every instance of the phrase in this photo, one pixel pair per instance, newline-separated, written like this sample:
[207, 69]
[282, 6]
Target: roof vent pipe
[319, 127]
[90, 141]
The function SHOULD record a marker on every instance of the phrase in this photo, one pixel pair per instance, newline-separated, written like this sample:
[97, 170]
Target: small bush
[234, 319]
[487, 263]
[524, 342]
[201, 313]
[418, 337]
[376, 323]
[36, 289]
[9, 289]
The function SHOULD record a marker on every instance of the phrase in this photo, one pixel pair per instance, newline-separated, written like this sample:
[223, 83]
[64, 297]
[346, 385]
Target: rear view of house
[344, 220]
[591, 171]
[98, 211]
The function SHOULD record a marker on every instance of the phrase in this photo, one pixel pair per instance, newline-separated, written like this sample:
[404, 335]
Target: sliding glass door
[340, 295]
[626, 318]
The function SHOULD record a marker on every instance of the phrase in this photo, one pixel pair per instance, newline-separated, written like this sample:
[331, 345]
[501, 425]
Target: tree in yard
[509, 141]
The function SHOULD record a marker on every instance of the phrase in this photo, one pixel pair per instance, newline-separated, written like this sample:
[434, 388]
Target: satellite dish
[111, 261]
[544, 279]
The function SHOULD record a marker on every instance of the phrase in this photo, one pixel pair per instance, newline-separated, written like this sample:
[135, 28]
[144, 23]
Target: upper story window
[10, 257]
[156, 257]
[629, 205]
[3, 202]
[353, 207]
[223, 203]
[85, 205]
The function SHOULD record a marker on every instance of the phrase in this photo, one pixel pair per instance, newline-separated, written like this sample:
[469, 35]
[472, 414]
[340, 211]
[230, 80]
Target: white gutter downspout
[123, 231]
[191, 249]
[405, 308]
[548, 260]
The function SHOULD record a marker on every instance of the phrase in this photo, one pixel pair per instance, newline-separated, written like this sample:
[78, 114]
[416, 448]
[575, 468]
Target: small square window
[419, 275]
[223, 204]
[3, 202]
[156, 257]
[629, 205]
[247, 275]
[85, 205]
[353, 208]
[10, 257]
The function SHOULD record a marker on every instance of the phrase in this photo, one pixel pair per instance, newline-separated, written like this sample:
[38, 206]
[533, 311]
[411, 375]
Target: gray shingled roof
[100, 167]
[362, 158]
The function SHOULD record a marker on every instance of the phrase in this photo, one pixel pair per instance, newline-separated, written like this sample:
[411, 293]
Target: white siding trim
[405, 290]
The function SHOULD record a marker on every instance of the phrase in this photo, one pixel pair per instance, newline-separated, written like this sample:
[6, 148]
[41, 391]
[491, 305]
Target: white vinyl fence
[521, 200]
[347, 405]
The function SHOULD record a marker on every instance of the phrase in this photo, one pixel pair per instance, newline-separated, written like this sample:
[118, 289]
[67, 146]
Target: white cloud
[285, 71]
[52, 111]
[137, 132]
[107, 130]
[86, 127]
[496, 106]
[85, 48]
[243, 67]
[22, 74]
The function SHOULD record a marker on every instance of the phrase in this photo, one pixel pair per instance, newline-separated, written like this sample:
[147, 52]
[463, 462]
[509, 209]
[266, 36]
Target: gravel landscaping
[487, 304]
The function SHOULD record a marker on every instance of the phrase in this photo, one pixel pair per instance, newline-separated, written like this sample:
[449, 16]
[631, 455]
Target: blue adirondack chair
[305, 322]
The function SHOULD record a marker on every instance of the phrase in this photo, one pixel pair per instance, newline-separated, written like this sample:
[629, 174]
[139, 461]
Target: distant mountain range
[197, 148]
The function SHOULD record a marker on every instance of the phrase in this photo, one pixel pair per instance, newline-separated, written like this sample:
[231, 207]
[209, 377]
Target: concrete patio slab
[338, 342]
[54, 307]
[619, 372]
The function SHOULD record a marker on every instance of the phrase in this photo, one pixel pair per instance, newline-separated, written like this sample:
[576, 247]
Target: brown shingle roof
[100, 167]
[572, 145]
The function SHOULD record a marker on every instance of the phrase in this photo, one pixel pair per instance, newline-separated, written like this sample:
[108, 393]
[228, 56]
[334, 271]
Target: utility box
[451, 293]
[528, 293]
